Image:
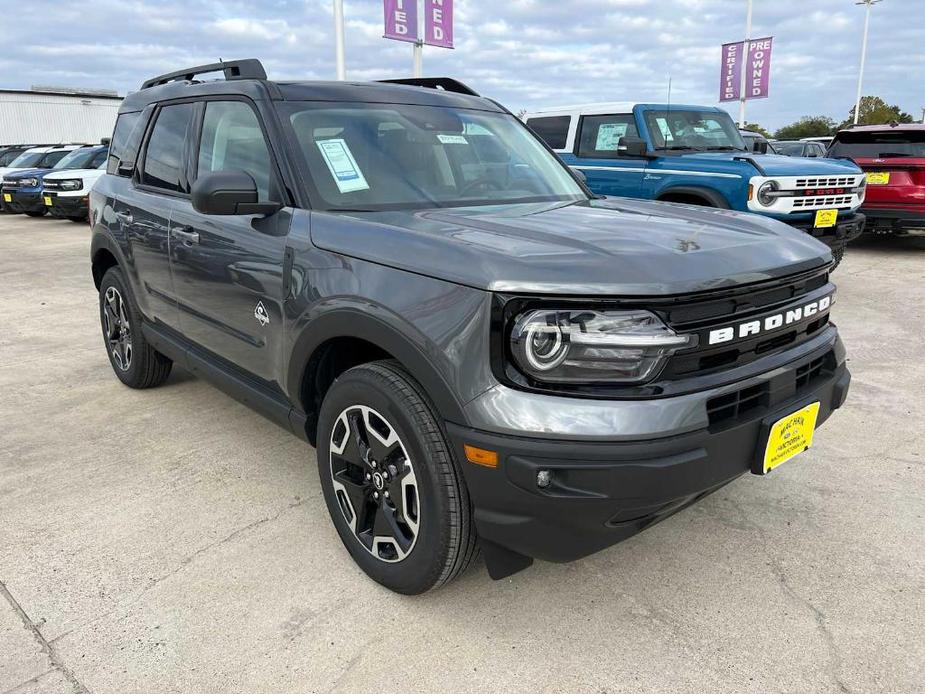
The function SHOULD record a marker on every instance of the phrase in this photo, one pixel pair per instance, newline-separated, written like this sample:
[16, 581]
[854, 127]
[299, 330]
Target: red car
[893, 156]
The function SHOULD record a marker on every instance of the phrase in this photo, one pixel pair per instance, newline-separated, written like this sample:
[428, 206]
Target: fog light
[543, 479]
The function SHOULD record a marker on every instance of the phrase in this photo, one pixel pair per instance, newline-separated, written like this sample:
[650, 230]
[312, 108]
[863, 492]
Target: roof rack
[447, 84]
[246, 69]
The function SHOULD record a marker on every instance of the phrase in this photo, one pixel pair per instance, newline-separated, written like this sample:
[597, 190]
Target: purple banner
[758, 77]
[401, 20]
[757, 65]
[730, 81]
[438, 23]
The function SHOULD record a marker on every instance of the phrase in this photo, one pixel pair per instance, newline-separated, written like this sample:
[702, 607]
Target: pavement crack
[186, 561]
[46, 646]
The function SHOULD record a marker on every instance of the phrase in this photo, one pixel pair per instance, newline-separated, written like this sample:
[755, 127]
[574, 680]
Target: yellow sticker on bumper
[825, 218]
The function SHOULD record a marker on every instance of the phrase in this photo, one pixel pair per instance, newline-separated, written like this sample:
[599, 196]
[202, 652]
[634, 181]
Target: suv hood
[781, 165]
[619, 247]
[28, 173]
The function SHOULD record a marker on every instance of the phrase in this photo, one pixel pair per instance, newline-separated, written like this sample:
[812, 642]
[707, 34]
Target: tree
[755, 128]
[875, 111]
[807, 126]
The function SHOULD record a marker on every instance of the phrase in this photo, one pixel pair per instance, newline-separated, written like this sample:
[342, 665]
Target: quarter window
[552, 129]
[233, 141]
[600, 135]
[164, 154]
[119, 148]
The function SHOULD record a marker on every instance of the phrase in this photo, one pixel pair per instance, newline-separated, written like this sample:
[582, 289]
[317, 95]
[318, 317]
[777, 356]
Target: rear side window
[552, 129]
[233, 141]
[600, 135]
[120, 148]
[163, 163]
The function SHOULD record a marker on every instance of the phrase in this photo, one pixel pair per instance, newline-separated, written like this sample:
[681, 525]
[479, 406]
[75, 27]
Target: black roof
[182, 83]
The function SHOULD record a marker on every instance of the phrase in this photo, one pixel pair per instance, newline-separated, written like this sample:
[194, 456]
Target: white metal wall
[52, 118]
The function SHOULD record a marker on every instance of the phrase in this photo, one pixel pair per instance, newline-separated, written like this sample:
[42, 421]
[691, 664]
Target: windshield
[49, 160]
[26, 160]
[364, 157]
[883, 145]
[791, 149]
[7, 157]
[76, 159]
[701, 131]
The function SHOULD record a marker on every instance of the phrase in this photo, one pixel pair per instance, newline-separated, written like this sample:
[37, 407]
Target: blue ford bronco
[485, 355]
[696, 155]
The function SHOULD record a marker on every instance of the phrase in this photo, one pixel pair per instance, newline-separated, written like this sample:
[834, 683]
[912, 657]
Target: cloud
[526, 53]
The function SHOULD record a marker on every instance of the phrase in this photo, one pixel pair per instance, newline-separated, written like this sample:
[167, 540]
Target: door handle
[187, 237]
[124, 217]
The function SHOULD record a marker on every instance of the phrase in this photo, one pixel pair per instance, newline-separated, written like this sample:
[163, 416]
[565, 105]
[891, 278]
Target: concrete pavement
[172, 540]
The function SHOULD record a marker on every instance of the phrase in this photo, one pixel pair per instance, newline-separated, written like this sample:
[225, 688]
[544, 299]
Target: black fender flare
[360, 323]
[708, 194]
[102, 242]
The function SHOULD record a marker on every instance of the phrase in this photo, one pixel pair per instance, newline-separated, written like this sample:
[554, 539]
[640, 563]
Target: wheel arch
[338, 340]
[103, 255]
[694, 194]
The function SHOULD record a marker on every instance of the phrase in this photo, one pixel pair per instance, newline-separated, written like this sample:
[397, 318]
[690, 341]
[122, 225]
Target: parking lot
[172, 540]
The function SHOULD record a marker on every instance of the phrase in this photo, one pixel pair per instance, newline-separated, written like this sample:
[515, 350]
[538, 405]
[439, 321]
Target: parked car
[483, 352]
[756, 142]
[799, 148]
[66, 193]
[823, 140]
[39, 158]
[9, 152]
[22, 191]
[695, 155]
[894, 158]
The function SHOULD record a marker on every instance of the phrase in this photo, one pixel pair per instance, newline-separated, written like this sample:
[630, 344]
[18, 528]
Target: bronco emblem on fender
[260, 313]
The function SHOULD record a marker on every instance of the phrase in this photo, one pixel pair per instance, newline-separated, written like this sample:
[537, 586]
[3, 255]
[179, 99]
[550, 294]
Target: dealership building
[56, 114]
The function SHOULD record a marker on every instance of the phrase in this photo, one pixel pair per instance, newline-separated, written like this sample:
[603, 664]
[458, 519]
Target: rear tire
[136, 363]
[395, 493]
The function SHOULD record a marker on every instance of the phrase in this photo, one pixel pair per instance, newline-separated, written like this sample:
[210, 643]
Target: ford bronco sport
[483, 353]
[696, 155]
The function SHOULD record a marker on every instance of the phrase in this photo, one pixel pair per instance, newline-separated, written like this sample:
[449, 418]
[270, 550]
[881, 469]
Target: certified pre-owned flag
[438, 23]
[757, 66]
[401, 20]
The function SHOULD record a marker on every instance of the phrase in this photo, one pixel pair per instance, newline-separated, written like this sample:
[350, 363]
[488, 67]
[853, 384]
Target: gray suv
[486, 356]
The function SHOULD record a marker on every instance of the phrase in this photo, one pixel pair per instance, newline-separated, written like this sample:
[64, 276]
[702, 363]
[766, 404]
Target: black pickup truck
[485, 355]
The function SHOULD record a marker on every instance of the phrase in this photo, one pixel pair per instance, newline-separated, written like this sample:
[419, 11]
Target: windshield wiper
[676, 147]
[348, 209]
[725, 148]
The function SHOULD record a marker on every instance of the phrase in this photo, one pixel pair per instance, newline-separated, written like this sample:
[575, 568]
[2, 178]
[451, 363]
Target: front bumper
[602, 492]
[848, 227]
[899, 221]
[21, 202]
[68, 206]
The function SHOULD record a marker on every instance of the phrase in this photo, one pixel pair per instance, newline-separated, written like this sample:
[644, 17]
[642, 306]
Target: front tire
[136, 363]
[395, 493]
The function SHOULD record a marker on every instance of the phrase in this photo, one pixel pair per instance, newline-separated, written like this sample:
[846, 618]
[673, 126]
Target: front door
[595, 154]
[227, 269]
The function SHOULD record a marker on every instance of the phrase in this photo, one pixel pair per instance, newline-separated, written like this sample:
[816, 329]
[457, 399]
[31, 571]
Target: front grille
[725, 410]
[703, 316]
[831, 201]
[825, 182]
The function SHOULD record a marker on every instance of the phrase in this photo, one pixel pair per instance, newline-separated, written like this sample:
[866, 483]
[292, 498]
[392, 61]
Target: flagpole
[745, 68]
[419, 44]
[340, 63]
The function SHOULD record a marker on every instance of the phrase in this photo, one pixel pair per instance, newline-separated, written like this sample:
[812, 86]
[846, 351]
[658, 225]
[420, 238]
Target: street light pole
[744, 58]
[857, 103]
[341, 68]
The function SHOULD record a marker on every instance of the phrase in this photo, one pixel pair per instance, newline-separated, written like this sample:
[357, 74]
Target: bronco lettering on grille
[772, 322]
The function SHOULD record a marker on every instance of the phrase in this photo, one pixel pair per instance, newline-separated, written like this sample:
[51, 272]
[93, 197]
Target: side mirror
[632, 147]
[229, 192]
[760, 147]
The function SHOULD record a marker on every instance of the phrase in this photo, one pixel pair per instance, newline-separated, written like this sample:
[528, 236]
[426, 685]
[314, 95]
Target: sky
[524, 53]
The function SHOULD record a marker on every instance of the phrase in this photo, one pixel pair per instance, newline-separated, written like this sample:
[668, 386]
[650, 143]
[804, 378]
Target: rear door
[595, 154]
[228, 269]
[143, 213]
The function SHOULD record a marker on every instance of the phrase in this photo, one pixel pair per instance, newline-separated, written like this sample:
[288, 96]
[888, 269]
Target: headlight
[765, 193]
[24, 182]
[71, 184]
[571, 346]
[862, 189]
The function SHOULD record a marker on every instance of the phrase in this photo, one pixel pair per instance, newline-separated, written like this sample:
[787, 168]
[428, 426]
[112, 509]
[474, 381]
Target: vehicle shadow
[886, 243]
